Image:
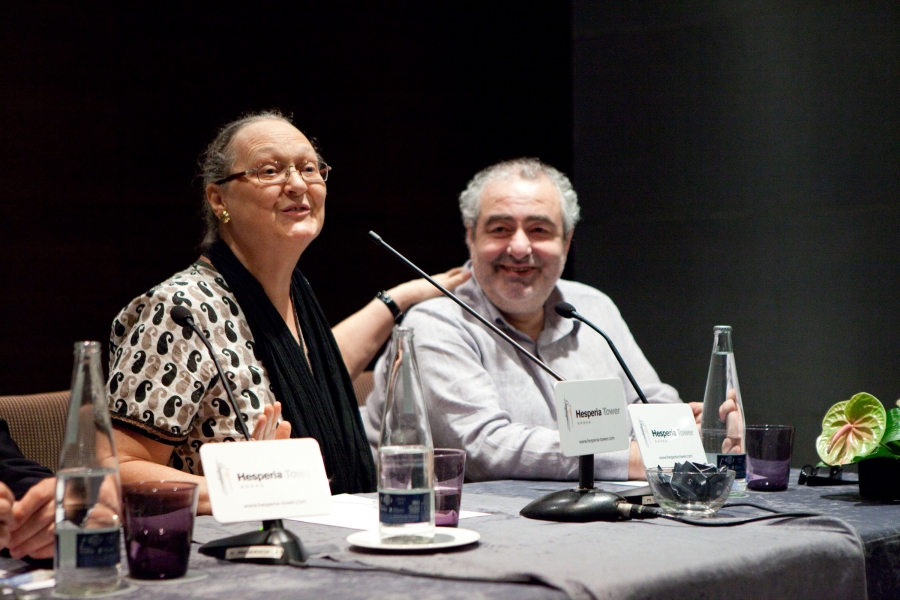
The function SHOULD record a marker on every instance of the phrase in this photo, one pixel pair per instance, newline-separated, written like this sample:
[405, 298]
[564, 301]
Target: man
[481, 394]
[27, 502]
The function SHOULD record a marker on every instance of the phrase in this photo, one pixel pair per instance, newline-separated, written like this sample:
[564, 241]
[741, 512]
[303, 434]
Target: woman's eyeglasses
[274, 172]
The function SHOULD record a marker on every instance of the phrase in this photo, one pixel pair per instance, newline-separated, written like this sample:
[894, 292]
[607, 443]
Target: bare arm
[360, 335]
[143, 459]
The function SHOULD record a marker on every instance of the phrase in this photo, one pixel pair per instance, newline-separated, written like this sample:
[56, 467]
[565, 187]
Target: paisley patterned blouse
[164, 385]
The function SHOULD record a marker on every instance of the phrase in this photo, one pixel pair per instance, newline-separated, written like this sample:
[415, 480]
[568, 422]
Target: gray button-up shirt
[484, 396]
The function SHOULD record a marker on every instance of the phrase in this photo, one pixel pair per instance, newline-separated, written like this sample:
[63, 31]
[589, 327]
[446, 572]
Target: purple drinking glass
[159, 525]
[769, 451]
[449, 472]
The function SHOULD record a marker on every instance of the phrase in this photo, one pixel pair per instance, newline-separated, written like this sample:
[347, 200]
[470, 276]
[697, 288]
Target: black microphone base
[581, 505]
[273, 545]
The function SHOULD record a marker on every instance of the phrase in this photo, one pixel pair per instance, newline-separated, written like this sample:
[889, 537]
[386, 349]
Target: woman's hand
[267, 426]
[415, 291]
[361, 335]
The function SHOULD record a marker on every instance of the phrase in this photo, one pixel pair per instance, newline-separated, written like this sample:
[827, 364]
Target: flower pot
[879, 478]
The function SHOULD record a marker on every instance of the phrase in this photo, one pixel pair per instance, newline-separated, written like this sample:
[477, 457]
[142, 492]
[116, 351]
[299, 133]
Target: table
[877, 523]
[820, 558]
[521, 559]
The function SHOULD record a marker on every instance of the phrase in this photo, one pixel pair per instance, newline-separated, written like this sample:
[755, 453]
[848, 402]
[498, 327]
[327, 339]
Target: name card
[666, 434]
[260, 481]
[591, 416]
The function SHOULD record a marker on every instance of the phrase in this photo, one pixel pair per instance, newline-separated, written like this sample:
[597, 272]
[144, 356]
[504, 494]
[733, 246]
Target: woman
[265, 203]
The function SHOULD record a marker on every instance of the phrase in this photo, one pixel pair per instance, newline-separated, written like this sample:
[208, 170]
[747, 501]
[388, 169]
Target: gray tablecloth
[877, 523]
[816, 557]
[522, 559]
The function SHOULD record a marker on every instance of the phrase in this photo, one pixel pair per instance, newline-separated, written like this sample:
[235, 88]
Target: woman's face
[266, 214]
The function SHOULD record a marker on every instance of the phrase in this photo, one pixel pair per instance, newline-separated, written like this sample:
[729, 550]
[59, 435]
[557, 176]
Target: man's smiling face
[517, 245]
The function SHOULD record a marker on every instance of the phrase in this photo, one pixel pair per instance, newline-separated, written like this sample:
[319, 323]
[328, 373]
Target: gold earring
[225, 218]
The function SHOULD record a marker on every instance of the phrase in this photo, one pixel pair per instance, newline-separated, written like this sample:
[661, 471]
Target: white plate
[444, 537]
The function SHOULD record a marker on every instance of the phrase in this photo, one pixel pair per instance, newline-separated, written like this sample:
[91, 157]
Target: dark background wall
[740, 163]
[737, 163]
[104, 109]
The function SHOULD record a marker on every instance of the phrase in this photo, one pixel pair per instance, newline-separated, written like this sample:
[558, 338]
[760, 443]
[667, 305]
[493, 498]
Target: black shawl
[318, 402]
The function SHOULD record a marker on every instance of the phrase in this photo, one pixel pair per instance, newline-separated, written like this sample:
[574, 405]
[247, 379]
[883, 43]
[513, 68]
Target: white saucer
[444, 537]
[124, 588]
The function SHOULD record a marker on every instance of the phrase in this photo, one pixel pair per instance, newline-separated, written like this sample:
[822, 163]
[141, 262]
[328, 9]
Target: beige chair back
[37, 424]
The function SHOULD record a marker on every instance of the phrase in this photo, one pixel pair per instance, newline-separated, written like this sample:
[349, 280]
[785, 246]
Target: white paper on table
[38, 585]
[629, 483]
[355, 512]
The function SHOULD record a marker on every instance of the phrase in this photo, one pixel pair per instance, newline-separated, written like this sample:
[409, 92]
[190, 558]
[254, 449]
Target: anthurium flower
[851, 430]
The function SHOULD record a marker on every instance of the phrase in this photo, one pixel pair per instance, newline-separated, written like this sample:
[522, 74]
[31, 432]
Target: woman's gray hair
[217, 162]
[525, 168]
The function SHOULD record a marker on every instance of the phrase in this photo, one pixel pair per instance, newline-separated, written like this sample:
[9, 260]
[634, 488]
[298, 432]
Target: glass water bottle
[406, 452]
[723, 427]
[88, 490]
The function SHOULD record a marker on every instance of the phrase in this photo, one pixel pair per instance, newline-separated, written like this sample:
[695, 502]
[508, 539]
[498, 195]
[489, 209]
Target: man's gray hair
[524, 168]
[217, 162]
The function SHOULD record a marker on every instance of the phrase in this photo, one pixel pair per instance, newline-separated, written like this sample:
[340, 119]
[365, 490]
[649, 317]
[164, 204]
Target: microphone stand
[567, 311]
[583, 504]
[271, 545]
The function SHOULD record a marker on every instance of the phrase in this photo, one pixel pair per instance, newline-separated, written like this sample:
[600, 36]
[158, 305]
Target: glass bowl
[690, 494]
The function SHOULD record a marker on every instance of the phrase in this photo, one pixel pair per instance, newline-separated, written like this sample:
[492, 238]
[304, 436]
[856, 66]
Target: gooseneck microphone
[567, 311]
[183, 317]
[377, 239]
[287, 547]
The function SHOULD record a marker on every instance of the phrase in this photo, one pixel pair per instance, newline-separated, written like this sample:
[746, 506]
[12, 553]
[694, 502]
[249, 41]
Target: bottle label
[92, 549]
[734, 462]
[402, 509]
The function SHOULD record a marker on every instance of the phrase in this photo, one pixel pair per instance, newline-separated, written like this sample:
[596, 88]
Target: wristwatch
[392, 306]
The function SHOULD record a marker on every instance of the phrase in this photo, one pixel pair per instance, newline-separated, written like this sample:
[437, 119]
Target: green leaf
[890, 441]
[852, 430]
[891, 437]
[881, 451]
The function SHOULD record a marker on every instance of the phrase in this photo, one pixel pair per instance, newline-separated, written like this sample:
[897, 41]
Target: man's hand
[734, 423]
[636, 468]
[34, 522]
[6, 513]
[267, 426]
[697, 409]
